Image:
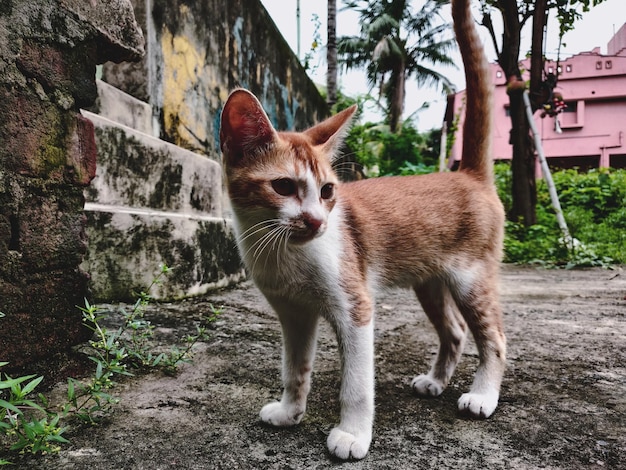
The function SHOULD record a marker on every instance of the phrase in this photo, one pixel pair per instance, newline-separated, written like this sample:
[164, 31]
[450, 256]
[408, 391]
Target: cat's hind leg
[299, 344]
[443, 313]
[479, 304]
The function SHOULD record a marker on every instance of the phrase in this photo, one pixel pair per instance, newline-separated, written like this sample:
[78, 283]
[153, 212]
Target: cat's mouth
[304, 236]
[306, 229]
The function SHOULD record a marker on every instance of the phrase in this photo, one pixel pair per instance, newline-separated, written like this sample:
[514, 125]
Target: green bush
[381, 152]
[593, 205]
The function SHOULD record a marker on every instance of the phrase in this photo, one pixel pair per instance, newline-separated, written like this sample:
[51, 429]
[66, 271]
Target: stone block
[48, 55]
[42, 140]
[127, 246]
[114, 104]
[58, 67]
[137, 170]
[119, 36]
[42, 317]
[81, 151]
[50, 231]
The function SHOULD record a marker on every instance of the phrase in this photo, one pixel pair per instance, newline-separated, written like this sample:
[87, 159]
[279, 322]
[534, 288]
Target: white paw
[345, 445]
[478, 405]
[279, 415]
[425, 386]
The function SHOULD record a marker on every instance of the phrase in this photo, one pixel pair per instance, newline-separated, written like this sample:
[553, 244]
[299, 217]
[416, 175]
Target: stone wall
[198, 51]
[48, 55]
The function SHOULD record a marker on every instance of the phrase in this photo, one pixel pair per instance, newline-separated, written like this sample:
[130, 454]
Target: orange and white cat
[318, 248]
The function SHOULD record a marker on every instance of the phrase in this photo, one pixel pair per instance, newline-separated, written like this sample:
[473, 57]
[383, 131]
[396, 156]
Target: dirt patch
[563, 402]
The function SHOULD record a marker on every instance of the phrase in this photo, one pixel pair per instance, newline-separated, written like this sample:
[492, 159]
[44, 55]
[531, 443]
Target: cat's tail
[476, 154]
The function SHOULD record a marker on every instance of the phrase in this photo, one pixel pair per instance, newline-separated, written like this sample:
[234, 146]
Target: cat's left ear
[245, 128]
[330, 133]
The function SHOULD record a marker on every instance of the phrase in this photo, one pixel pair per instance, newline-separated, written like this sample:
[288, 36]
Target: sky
[595, 29]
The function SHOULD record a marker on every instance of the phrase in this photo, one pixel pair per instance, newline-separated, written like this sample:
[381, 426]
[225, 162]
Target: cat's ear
[244, 128]
[330, 133]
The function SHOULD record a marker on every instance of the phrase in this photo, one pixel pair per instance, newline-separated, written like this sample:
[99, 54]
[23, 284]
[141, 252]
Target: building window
[568, 68]
[608, 64]
[571, 107]
[599, 65]
[573, 116]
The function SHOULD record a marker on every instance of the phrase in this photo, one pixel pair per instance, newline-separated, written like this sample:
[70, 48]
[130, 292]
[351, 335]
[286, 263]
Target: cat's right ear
[244, 127]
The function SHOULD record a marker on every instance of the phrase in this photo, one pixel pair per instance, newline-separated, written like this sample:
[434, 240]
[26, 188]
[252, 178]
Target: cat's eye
[284, 186]
[328, 191]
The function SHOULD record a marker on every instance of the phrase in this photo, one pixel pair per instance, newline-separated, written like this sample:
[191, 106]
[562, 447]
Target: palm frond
[396, 43]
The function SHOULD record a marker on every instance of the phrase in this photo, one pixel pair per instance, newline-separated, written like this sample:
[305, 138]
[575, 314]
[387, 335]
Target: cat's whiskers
[341, 167]
[274, 235]
[282, 234]
[258, 227]
[263, 242]
[253, 231]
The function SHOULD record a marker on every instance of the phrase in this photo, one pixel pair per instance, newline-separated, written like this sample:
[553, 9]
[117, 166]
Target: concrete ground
[563, 402]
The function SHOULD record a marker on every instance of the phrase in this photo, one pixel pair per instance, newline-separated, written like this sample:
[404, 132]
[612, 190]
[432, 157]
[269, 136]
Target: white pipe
[545, 169]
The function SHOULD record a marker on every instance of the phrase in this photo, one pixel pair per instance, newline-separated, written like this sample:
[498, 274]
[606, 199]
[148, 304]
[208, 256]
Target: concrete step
[153, 203]
[138, 170]
[127, 245]
[114, 104]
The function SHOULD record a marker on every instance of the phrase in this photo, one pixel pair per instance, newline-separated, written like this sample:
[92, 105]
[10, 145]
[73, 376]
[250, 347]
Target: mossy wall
[48, 56]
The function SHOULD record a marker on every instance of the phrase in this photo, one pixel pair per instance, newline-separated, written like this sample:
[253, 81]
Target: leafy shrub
[420, 169]
[382, 152]
[593, 205]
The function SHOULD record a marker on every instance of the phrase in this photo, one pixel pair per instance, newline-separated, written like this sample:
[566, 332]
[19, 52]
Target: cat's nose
[312, 223]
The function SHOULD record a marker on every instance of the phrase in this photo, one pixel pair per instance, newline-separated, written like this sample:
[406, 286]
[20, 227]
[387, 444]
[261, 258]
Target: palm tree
[396, 44]
[331, 54]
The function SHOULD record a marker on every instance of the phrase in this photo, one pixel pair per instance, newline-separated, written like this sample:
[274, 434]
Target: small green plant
[90, 399]
[177, 356]
[32, 426]
[116, 352]
[25, 422]
[307, 61]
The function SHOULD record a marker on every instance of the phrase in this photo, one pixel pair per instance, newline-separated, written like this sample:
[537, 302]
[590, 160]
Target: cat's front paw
[345, 445]
[426, 386]
[478, 405]
[279, 415]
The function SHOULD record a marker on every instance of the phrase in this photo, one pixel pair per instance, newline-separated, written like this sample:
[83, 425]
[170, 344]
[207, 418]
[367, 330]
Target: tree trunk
[523, 164]
[536, 54]
[524, 191]
[396, 107]
[331, 54]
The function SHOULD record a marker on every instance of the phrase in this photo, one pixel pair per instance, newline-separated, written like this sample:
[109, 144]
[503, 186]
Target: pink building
[589, 133]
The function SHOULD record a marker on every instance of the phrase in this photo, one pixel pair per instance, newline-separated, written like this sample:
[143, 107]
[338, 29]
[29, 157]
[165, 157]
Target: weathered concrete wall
[197, 52]
[48, 54]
